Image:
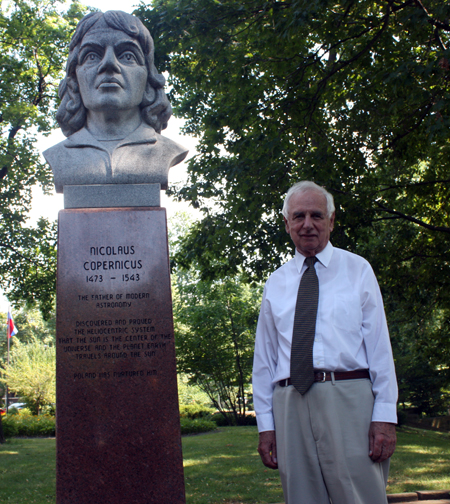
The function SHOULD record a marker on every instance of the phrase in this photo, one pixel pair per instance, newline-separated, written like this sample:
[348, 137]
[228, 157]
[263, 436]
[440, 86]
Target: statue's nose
[109, 62]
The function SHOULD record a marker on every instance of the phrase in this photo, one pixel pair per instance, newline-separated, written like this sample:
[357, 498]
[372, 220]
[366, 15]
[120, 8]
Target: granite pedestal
[118, 430]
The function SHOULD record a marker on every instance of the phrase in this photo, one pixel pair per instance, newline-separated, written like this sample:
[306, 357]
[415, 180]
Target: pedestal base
[118, 430]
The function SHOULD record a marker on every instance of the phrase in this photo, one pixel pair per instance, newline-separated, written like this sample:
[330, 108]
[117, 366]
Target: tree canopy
[354, 95]
[30, 326]
[31, 373]
[351, 94]
[34, 38]
[215, 323]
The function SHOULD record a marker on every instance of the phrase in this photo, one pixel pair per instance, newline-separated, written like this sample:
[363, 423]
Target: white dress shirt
[351, 330]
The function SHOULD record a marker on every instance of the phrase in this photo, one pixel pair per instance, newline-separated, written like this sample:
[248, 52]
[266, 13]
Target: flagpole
[7, 360]
[10, 331]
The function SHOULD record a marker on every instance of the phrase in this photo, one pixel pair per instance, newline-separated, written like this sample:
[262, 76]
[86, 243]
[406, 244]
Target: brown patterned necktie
[302, 371]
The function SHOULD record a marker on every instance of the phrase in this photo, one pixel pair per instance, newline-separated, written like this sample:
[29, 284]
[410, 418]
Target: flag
[10, 327]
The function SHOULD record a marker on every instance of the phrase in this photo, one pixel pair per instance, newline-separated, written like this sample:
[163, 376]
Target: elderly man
[324, 382]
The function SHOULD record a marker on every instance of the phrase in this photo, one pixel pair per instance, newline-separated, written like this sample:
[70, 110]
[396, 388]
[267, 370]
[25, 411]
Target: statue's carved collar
[144, 134]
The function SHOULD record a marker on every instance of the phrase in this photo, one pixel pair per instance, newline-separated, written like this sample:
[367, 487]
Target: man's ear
[286, 224]
[332, 221]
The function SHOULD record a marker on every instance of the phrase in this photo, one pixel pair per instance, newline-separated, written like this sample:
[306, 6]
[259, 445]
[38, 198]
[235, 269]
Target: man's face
[111, 71]
[308, 222]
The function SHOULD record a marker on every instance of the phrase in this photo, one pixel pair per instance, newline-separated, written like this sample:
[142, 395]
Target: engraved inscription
[115, 374]
[114, 276]
[113, 263]
[115, 339]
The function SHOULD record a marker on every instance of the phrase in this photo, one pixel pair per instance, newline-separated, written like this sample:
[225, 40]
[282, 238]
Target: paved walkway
[434, 497]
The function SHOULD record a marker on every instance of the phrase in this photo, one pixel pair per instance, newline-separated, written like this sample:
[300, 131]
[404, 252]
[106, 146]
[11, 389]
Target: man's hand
[382, 440]
[267, 448]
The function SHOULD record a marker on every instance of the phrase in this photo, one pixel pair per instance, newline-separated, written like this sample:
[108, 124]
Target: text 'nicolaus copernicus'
[113, 257]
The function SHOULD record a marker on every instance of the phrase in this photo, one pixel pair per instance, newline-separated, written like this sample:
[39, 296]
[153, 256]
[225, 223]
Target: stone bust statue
[113, 108]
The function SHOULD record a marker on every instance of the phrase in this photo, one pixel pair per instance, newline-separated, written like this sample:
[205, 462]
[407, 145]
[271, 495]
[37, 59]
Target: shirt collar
[82, 138]
[324, 257]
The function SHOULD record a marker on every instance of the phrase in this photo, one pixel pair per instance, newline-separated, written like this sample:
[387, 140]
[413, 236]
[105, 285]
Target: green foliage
[352, 95]
[14, 411]
[194, 411]
[190, 395]
[422, 360]
[214, 328]
[402, 417]
[222, 419]
[196, 425]
[31, 325]
[23, 423]
[34, 39]
[421, 385]
[31, 373]
[26, 424]
[225, 418]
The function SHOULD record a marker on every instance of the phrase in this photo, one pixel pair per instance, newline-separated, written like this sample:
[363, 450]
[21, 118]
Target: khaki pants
[323, 444]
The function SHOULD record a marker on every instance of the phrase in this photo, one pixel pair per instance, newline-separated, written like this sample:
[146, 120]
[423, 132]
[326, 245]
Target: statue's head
[111, 64]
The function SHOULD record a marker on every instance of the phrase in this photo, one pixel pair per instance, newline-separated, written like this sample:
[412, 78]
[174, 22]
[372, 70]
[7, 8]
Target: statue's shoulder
[172, 150]
[80, 138]
[55, 152]
[64, 157]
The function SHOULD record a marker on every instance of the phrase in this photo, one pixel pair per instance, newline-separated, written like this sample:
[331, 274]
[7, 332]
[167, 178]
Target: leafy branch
[421, 223]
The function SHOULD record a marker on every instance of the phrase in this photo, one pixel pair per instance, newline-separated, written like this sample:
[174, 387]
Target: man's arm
[378, 350]
[267, 448]
[264, 368]
[382, 441]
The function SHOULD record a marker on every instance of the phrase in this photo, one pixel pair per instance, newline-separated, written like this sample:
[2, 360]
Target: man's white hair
[304, 186]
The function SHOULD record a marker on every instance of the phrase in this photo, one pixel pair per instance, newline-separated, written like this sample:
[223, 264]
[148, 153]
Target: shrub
[195, 411]
[402, 417]
[13, 411]
[25, 424]
[223, 421]
[49, 410]
[249, 420]
[197, 425]
[188, 393]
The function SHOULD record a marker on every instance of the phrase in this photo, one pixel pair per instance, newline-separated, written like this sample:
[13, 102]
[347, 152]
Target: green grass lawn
[420, 462]
[224, 467]
[27, 471]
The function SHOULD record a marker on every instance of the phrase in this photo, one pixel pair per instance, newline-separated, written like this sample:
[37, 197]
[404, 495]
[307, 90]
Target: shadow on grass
[420, 462]
[224, 467]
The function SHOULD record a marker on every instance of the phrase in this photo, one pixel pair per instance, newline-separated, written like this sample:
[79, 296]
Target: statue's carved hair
[155, 107]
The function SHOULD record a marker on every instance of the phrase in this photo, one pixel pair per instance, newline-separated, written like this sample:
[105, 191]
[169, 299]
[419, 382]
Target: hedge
[196, 426]
[28, 425]
[44, 425]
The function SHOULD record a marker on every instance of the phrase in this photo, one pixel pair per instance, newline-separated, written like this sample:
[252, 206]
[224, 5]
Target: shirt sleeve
[264, 366]
[379, 351]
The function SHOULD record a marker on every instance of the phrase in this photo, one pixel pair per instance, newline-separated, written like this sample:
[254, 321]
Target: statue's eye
[91, 57]
[128, 57]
